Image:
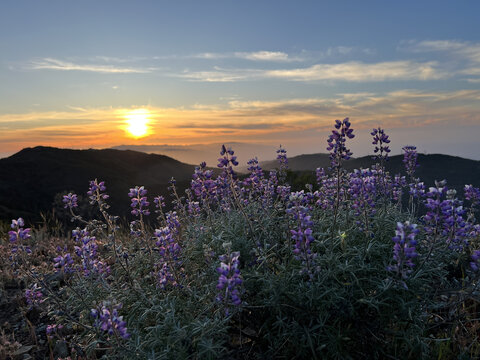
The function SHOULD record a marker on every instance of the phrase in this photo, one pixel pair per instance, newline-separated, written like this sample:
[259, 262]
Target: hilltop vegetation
[246, 268]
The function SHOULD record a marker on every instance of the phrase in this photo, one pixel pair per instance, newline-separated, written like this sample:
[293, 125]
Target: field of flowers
[362, 265]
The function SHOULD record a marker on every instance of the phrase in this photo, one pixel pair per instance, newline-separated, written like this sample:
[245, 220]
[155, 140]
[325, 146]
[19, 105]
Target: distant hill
[456, 170]
[30, 179]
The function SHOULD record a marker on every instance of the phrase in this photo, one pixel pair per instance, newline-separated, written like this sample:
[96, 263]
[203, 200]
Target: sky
[182, 77]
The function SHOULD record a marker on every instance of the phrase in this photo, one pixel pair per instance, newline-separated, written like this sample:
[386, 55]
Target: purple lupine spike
[363, 192]
[230, 280]
[404, 250]
[87, 252]
[139, 201]
[107, 318]
[63, 262]
[336, 142]
[70, 200]
[34, 295]
[302, 233]
[379, 140]
[410, 159]
[169, 249]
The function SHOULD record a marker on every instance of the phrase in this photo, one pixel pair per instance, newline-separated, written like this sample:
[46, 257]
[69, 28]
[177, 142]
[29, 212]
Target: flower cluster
[203, 185]
[87, 252]
[363, 190]
[228, 158]
[96, 193]
[139, 201]
[108, 319]
[169, 249]
[302, 232]
[230, 280]
[17, 236]
[410, 159]
[70, 200]
[379, 140]
[404, 250]
[337, 140]
[18, 232]
[64, 262]
[34, 295]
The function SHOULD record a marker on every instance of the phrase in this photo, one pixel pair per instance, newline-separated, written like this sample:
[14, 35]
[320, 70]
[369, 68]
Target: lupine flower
[19, 233]
[472, 194]
[438, 208]
[379, 140]
[203, 185]
[336, 142]
[64, 261]
[87, 252]
[254, 184]
[363, 190]
[139, 201]
[302, 232]
[108, 319]
[17, 236]
[410, 159]
[33, 295]
[229, 281]
[227, 158]
[96, 193]
[404, 250]
[169, 249]
[70, 200]
[326, 194]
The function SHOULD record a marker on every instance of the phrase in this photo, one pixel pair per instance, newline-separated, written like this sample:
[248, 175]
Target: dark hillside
[30, 179]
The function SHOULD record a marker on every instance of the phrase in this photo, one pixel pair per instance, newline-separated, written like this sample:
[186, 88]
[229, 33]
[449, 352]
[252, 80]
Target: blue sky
[255, 72]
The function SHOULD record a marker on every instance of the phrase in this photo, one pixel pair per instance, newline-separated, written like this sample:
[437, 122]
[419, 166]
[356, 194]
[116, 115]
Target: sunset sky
[185, 76]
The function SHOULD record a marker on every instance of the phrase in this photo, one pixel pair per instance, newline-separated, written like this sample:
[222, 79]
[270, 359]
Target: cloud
[358, 71]
[55, 64]
[263, 55]
[350, 71]
[467, 50]
[464, 54]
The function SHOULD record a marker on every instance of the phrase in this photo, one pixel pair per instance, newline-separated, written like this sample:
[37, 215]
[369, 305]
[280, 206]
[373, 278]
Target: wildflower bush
[362, 264]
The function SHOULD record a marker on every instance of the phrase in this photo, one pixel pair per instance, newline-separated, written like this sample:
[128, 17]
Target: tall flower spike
[336, 142]
[410, 159]
[229, 281]
[404, 250]
[379, 140]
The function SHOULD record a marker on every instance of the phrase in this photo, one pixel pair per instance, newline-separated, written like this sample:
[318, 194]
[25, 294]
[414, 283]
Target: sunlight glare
[137, 123]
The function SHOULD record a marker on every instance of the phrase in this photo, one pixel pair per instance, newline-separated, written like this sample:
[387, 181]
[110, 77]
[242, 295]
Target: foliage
[248, 268]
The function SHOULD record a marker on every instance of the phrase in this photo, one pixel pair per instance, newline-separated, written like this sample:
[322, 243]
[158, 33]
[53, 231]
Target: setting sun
[137, 123]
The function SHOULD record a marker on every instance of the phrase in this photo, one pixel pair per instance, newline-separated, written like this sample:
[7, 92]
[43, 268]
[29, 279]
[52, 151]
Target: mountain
[456, 170]
[31, 178]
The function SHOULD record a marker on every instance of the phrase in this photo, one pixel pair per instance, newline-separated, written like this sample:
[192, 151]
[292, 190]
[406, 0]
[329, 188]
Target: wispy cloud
[263, 55]
[61, 65]
[349, 71]
[358, 71]
[467, 50]
[465, 55]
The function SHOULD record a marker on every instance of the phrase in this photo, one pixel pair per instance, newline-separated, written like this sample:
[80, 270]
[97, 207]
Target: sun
[137, 123]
